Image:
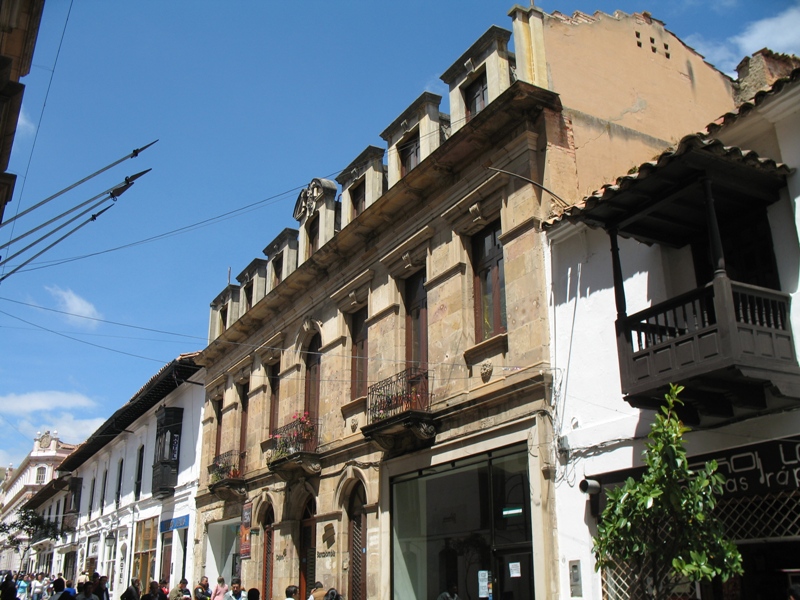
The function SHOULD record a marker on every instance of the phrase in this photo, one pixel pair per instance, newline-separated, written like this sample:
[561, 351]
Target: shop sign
[175, 523]
[244, 530]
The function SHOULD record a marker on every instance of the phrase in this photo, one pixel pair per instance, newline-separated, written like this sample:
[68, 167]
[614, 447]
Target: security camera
[589, 486]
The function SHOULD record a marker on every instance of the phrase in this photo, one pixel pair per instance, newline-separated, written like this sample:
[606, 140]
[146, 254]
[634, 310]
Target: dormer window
[277, 270]
[476, 96]
[409, 153]
[247, 292]
[223, 318]
[358, 196]
[313, 235]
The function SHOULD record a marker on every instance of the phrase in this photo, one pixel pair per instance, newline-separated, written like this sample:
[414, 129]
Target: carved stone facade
[383, 415]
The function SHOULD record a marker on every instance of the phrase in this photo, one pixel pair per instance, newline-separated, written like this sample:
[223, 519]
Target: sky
[249, 101]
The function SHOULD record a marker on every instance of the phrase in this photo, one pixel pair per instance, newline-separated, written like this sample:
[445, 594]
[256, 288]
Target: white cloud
[778, 33]
[33, 402]
[25, 126]
[78, 307]
[71, 429]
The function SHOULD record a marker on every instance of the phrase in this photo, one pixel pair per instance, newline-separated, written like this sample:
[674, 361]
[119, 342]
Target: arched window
[358, 543]
[41, 474]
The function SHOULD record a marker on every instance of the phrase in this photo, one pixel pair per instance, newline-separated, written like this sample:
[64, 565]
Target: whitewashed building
[37, 469]
[128, 491]
[686, 270]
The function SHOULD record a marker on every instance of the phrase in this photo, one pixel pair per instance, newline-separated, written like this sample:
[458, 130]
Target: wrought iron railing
[227, 465]
[408, 390]
[301, 435]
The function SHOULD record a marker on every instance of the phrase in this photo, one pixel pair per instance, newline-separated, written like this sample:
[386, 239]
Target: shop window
[458, 519]
[490, 297]
[409, 153]
[359, 361]
[144, 558]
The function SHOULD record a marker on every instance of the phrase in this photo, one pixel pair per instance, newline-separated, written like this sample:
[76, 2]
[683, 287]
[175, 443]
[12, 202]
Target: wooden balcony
[398, 412]
[165, 478]
[225, 476]
[727, 343]
[295, 449]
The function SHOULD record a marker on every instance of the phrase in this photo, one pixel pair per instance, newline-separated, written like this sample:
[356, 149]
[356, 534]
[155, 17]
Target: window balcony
[726, 343]
[225, 477]
[295, 448]
[165, 478]
[398, 412]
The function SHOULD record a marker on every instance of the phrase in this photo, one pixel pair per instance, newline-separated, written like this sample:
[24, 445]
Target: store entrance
[769, 569]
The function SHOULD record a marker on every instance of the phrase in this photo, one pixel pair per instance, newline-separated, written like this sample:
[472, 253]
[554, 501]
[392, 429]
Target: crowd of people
[40, 586]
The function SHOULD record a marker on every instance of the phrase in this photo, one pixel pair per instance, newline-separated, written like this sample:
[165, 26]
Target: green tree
[662, 526]
[27, 528]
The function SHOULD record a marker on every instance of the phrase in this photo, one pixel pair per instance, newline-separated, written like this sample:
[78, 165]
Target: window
[217, 404]
[137, 486]
[490, 299]
[313, 377]
[409, 153]
[313, 235]
[416, 300]
[144, 558]
[74, 497]
[274, 396]
[357, 517]
[277, 270]
[358, 197]
[359, 362]
[223, 318]
[244, 402]
[103, 491]
[41, 473]
[118, 493]
[248, 296]
[476, 96]
[91, 497]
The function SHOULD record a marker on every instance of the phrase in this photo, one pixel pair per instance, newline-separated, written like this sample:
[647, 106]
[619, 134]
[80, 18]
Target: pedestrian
[202, 591]
[154, 592]
[235, 593]
[134, 590]
[177, 592]
[59, 585]
[87, 593]
[22, 587]
[101, 589]
[253, 594]
[69, 588]
[8, 589]
[317, 592]
[451, 593]
[37, 587]
[220, 590]
[291, 592]
[332, 594]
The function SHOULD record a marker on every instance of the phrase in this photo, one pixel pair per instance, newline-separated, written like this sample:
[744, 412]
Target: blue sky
[250, 101]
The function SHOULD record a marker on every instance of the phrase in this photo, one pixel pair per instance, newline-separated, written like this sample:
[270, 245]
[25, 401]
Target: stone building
[36, 471]
[19, 28]
[125, 496]
[379, 391]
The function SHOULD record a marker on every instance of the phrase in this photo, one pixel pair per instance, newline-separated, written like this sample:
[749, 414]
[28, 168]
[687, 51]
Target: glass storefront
[465, 524]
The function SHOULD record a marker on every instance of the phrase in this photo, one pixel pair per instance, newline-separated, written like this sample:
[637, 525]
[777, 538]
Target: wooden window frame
[313, 377]
[358, 197]
[416, 303]
[408, 151]
[359, 363]
[273, 376]
[476, 96]
[490, 316]
[312, 231]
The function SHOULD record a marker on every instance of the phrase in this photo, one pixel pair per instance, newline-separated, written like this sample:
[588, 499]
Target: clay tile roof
[694, 142]
[758, 99]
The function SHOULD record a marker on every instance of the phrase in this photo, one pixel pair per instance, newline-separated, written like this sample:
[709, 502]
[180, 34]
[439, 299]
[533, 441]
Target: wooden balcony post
[715, 239]
[619, 288]
[624, 349]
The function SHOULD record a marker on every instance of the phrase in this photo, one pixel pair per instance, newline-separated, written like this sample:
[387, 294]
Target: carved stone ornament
[486, 370]
[424, 430]
[44, 441]
[354, 424]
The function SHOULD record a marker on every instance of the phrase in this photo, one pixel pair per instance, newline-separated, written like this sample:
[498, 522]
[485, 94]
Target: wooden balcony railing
[714, 328]
[227, 465]
[405, 391]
